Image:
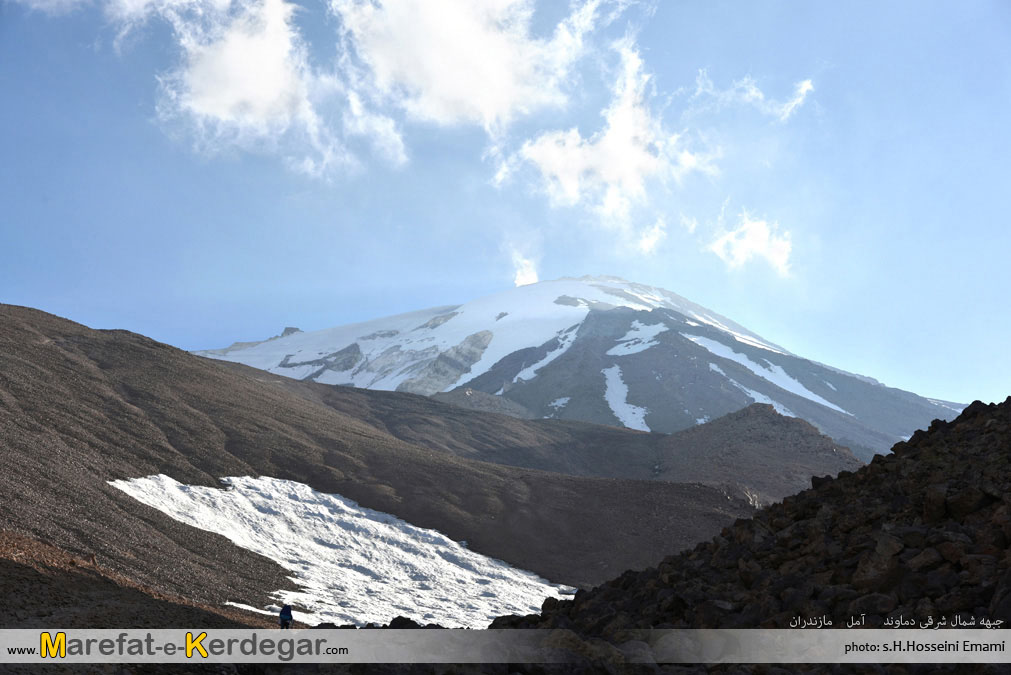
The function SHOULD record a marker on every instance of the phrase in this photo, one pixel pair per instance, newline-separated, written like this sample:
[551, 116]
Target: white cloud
[380, 129]
[54, 7]
[611, 169]
[754, 239]
[524, 269]
[801, 90]
[245, 81]
[251, 76]
[464, 61]
[745, 91]
[690, 224]
[651, 238]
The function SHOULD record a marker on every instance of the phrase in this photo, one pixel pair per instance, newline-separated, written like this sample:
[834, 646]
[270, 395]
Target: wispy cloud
[524, 266]
[613, 172]
[650, 238]
[689, 223]
[611, 169]
[54, 7]
[708, 98]
[245, 81]
[754, 239]
[379, 129]
[465, 61]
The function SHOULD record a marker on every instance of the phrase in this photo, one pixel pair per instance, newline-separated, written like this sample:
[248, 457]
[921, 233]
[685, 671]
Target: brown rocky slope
[924, 532]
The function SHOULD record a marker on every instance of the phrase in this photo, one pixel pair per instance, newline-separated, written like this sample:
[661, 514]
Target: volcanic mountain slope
[80, 407]
[755, 451]
[922, 533]
[595, 349]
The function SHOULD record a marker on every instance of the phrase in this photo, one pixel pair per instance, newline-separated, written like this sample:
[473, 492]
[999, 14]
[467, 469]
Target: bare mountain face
[595, 349]
[755, 453]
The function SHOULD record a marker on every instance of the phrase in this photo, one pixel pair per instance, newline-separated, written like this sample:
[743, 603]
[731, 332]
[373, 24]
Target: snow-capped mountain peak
[403, 351]
[618, 352]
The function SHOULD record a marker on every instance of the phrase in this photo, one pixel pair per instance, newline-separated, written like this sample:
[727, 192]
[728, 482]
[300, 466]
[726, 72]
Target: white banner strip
[74, 646]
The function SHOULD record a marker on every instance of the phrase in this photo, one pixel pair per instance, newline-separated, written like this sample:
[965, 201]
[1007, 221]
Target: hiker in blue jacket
[285, 619]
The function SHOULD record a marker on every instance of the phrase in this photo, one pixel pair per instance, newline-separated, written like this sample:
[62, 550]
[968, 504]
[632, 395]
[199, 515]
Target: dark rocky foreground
[924, 532]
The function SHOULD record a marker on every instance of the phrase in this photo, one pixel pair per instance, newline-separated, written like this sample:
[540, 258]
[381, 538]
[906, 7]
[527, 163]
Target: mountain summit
[596, 349]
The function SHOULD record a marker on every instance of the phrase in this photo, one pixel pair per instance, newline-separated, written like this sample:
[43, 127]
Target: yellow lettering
[51, 648]
[194, 643]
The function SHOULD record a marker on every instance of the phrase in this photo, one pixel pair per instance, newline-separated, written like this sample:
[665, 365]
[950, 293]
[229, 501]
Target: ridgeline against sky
[832, 177]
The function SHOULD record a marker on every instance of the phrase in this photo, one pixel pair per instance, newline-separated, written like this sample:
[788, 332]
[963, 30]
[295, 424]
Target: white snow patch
[560, 403]
[755, 396]
[759, 397]
[831, 386]
[746, 338]
[270, 609]
[565, 339]
[616, 395]
[944, 404]
[771, 372]
[639, 338]
[702, 420]
[354, 565]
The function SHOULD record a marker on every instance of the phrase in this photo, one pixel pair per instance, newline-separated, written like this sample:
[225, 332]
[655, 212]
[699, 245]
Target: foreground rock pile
[923, 532]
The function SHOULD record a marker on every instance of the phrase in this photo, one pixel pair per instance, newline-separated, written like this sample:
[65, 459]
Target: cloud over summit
[465, 61]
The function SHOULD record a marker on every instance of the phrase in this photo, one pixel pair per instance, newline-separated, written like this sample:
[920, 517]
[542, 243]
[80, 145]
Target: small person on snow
[285, 619]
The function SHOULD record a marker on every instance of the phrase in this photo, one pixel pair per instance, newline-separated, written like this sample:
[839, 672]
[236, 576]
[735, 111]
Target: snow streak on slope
[755, 396]
[640, 338]
[565, 340]
[616, 395]
[354, 565]
[954, 407]
[773, 373]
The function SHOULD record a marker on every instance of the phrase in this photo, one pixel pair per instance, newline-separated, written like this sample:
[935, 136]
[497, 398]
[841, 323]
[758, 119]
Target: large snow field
[353, 565]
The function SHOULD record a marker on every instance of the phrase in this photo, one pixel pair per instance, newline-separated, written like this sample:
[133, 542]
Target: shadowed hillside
[754, 451]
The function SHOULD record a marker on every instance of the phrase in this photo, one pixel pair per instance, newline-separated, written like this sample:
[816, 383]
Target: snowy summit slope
[398, 352]
[597, 349]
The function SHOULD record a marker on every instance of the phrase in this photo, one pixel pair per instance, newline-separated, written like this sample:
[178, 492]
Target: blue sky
[832, 176]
